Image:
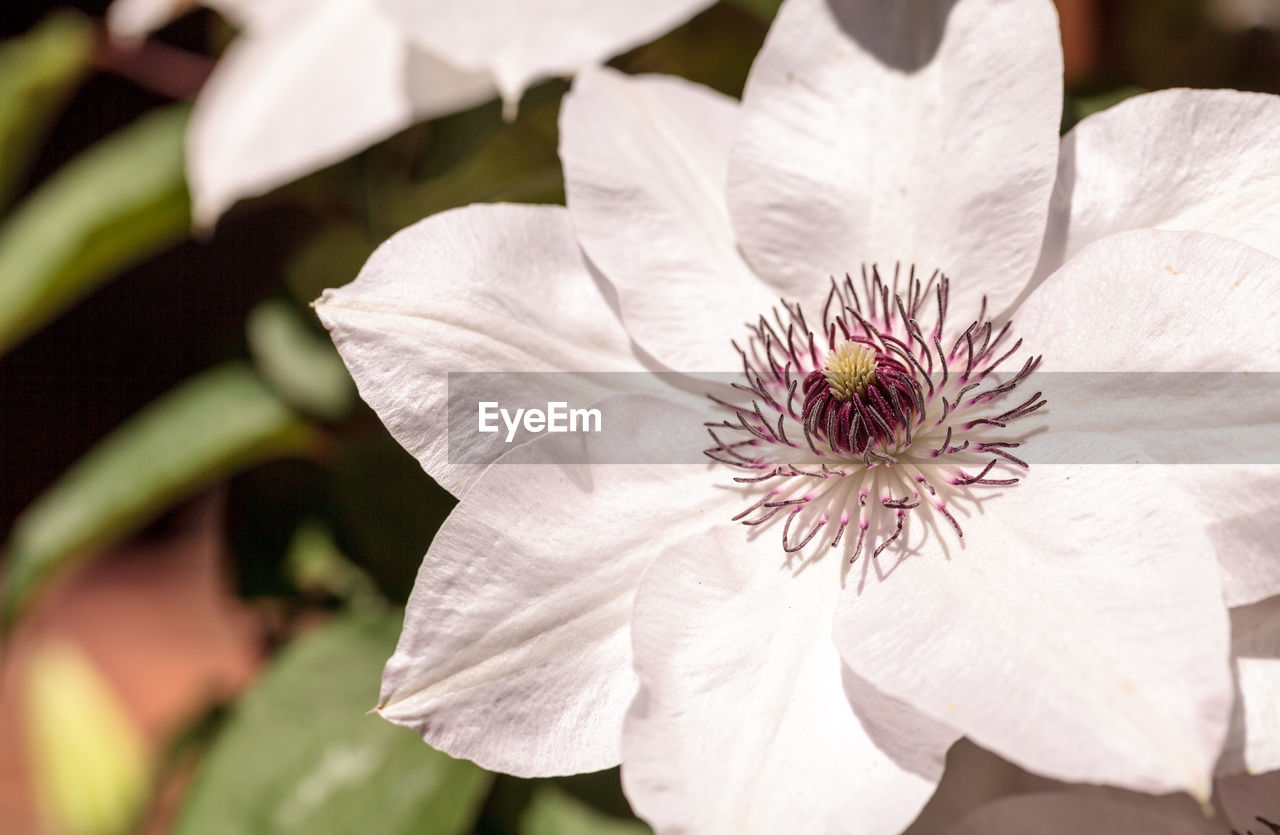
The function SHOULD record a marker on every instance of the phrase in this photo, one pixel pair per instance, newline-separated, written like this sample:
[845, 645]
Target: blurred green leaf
[316, 565]
[214, 424]
[1079, 106]
[766, 10]
[330, 258]
[115, 204]
[518, 164]
[715, 48]
[555, 812]
[303, 367]
[37, 73]
[301, 754]
[454, 137]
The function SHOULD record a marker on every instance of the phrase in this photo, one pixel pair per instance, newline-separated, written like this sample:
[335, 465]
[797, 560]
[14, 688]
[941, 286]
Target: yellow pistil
[849, 368]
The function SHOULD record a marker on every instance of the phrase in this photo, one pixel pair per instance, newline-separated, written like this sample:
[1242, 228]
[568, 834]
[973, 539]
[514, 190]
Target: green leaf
[316, 565]
[766, 10]
[715, 48]
[518, 164]
[113, 205]
[330, 258]
[302, 755]
[555, 812]
[37, 73]
[215, 424]
[301, 366]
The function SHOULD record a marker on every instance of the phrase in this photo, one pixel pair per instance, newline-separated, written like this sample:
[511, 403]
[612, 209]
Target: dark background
[106, 357]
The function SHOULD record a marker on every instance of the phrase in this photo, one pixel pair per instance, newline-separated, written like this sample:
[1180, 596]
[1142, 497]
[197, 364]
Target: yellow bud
[89, 761]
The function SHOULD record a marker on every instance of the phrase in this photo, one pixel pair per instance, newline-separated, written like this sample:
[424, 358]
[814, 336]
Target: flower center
[849, 368]
[872, 421]
[866, 397]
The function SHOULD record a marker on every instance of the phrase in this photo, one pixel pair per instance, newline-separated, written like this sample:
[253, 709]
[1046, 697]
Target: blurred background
[207, 538]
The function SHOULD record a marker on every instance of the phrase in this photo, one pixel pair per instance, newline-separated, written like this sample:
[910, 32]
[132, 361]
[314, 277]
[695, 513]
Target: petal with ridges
[743, 723]
[645, 161]
[428, 303]
[1159, 301]
[1202, 160]
[516, 649]
[917, 130]
[1078, 631]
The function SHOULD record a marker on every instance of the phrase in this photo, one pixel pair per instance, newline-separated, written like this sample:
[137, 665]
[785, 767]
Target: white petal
[1074, 813]
[133, 20]
[286, 100]
[522, 41]
[1240, 506]
[1176, 159]
[1158, 301]
[1078, 631]
[925, 132]
[437, 88]
[644, 162]
[260, 15]
[487, 288]
[516, 649]
[743, 723]
[1251, 803]
[1182, 301]
[1253, 745]
[291, 99]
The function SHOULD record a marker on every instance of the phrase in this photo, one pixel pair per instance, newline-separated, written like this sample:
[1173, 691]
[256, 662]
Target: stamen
[809, 536]
[844, 523]
[884, 410]
[897, 530]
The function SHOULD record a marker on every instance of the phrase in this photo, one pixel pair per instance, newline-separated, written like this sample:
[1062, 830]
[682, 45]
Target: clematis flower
[869, 566]
[310, 82]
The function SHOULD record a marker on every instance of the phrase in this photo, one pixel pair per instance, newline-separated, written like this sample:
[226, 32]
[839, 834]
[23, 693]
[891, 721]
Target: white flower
[567, 617]
[310, 82]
